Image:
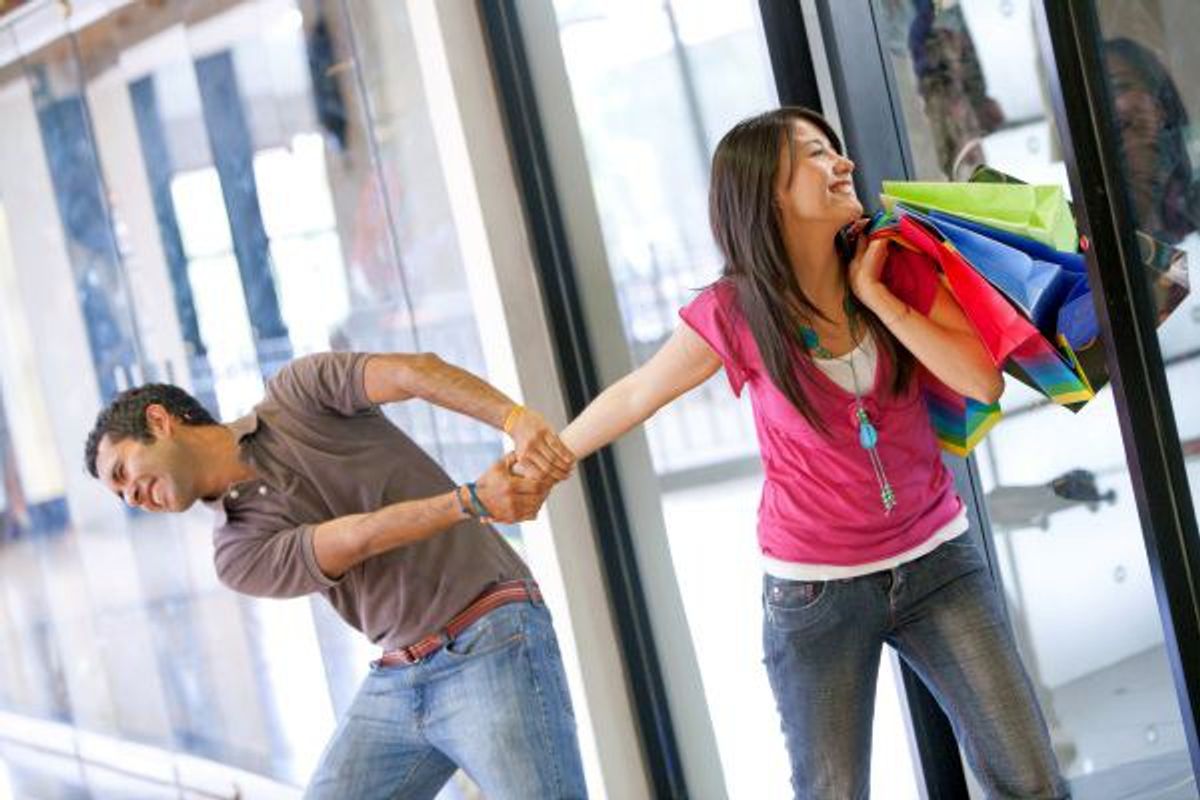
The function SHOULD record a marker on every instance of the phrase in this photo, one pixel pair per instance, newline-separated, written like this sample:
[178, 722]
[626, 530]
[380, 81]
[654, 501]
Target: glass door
[195, 193]
[632, 98]
[965, 86]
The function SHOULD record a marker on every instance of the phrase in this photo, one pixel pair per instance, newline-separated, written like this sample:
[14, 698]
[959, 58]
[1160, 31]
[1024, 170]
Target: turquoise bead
[867, 435]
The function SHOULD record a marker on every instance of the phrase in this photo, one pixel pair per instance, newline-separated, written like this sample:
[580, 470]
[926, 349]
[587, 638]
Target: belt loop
[530, 588]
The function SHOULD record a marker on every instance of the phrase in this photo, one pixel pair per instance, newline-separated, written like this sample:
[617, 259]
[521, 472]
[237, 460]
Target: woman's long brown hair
[746, 226]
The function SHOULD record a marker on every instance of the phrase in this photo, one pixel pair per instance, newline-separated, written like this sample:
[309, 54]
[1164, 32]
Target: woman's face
[1144, 133]
[816, 186]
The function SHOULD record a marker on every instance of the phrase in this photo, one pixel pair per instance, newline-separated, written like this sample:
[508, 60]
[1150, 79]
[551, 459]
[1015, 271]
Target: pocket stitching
[486, 648]
[810, 613]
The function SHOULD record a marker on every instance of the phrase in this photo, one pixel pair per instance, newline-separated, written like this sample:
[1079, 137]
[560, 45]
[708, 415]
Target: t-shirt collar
[244, 426]
[241, 427]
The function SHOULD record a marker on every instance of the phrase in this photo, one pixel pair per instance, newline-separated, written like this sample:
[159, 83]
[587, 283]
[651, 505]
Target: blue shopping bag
[1051, 287]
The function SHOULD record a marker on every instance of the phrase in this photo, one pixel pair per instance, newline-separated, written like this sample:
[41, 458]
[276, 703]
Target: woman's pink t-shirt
[820, 501]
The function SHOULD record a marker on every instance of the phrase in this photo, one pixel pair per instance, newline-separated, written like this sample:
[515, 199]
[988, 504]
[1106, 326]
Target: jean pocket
[792, 605]
[497, 630]
[960, 547]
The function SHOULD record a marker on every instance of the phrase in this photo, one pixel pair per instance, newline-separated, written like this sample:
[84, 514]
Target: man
[316, 491]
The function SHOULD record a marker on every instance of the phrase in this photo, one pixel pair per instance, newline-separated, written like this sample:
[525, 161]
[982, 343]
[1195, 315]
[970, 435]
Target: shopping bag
[1009, 337]
[1166, 270]
[1039, 212]
[1035, 278]
[959, 422]
[1166, 265]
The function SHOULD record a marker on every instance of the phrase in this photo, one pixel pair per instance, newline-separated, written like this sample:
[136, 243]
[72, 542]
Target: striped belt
[501, 594]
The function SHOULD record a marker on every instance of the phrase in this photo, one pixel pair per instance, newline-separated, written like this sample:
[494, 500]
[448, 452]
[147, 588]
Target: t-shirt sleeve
[331, 383]
[265, 563]
[912, 277]
[708, 315]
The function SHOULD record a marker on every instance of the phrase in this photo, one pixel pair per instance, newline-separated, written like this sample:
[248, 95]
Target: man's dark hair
[125, 417]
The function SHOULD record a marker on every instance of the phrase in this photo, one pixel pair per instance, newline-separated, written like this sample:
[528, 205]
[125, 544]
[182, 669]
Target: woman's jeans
[823, 641]
[493, 701]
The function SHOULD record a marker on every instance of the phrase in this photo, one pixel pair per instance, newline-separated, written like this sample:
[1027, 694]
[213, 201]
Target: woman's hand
[539, 448]
[866, 269]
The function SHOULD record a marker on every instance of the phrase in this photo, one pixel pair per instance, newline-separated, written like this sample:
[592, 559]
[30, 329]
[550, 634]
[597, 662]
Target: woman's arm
[943, 340]
[684, 362]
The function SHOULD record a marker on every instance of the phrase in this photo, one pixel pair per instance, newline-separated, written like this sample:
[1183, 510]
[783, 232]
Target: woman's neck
[817, 268]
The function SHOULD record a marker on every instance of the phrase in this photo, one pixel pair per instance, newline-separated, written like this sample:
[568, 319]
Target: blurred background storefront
[198, 190]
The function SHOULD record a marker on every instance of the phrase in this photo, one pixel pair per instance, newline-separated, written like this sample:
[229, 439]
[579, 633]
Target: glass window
[197, 192]
[1150, 64]
[653, 87]
[972, 91]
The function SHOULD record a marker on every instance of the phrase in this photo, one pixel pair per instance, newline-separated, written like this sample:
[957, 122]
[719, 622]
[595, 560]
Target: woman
[859, 523]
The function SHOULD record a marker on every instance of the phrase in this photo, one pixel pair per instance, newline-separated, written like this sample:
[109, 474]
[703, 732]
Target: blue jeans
[494, 701]
[823, 640]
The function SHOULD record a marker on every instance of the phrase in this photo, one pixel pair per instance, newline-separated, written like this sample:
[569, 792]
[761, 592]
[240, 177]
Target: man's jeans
[823, 641]
[494, 702]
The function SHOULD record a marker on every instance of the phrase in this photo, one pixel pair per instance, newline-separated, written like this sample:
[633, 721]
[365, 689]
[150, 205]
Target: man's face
[153, 476]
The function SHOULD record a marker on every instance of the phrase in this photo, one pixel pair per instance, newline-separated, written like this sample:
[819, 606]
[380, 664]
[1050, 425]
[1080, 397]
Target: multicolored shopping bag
[959, 422]
[1010, 337]
[1008, 253]
[1049, 286]
[1078, 332]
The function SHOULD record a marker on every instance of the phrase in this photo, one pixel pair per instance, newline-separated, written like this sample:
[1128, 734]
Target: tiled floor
[29, 774]
[1167, 777]
[126, 633]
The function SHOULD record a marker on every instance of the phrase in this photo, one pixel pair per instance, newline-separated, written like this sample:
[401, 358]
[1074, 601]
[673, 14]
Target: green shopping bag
[1039, 212]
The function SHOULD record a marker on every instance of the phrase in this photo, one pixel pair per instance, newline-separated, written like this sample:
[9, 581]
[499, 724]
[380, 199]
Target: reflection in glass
[1151, 67]
[654, 87]
[223, 185]
[972, 91]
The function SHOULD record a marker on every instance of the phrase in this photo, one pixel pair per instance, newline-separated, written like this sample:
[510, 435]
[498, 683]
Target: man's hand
[509, 497]
[541, 453]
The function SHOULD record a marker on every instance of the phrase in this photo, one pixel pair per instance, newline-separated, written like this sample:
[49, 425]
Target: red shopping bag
[1012, 340]
[959, 422]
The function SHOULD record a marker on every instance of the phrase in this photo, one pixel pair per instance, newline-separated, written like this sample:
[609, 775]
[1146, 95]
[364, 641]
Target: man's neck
[218, 447]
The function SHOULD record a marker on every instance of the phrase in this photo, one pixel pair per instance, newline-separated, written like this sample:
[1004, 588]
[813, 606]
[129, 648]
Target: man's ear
[159, 420]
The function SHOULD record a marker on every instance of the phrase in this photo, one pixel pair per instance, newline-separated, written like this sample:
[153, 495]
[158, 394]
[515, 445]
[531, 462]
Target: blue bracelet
[480, 508]
[466, 509]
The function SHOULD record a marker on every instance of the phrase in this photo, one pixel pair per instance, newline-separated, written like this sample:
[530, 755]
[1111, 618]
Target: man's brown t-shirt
[322, 450]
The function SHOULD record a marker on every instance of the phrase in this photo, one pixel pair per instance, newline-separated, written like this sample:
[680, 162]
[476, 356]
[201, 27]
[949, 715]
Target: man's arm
[341, 543]
[393, 377]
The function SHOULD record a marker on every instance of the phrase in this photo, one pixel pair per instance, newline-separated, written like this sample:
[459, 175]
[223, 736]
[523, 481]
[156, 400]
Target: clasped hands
[515, 487]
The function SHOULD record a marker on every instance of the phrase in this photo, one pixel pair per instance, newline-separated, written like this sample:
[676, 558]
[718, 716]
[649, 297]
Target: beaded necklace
[868, 435]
